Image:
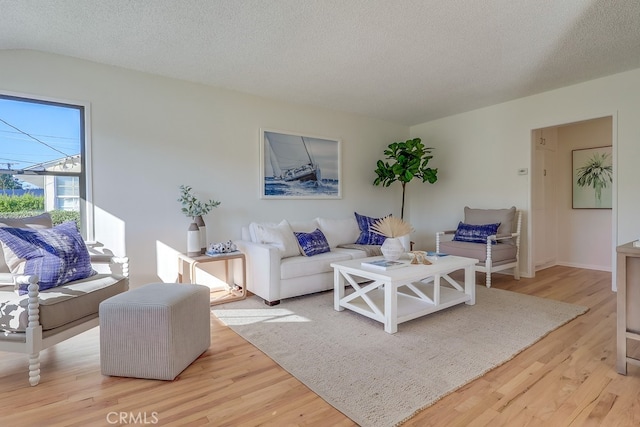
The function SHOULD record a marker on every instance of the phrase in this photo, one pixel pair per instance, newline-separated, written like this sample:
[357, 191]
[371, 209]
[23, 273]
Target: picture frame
[592, 178]
[299, 166]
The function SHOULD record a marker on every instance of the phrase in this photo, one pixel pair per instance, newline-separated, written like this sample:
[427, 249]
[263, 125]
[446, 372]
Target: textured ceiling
[407, 61]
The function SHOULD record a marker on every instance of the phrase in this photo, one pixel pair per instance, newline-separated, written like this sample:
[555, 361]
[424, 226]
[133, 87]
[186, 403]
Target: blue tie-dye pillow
[367, 236]
[313, 243]
[56, 255]
[475, 233]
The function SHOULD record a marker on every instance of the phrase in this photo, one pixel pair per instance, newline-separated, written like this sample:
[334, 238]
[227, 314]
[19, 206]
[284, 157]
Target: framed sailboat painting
[296, 166]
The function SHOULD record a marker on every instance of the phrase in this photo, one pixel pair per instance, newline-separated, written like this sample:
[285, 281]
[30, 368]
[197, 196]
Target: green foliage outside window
[26, 202]
[58, 217]
[30, 205]
[8, 182]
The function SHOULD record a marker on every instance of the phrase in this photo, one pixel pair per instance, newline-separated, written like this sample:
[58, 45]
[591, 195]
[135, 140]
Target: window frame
[86, 173]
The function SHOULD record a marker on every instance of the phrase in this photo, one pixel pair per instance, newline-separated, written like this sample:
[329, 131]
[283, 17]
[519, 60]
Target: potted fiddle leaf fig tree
[408, 160]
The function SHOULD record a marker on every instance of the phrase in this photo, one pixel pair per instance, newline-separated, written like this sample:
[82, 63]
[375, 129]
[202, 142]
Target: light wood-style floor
[566, 379]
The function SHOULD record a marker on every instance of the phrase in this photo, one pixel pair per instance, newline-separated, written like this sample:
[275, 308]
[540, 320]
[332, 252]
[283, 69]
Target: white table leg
[470, 284]
[338, 289]
[390, 309]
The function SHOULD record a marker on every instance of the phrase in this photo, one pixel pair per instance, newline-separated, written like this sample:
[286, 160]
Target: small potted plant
[195, 209]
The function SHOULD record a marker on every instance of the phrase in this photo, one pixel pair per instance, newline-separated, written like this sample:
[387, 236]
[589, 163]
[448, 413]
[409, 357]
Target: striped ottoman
[154, 331]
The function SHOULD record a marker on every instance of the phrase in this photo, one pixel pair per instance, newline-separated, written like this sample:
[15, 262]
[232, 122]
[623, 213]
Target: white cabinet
[544, 201]
[546, 139]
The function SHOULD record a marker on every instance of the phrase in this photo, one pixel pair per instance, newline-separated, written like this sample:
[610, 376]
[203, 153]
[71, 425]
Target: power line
[34, 138]
[15, 161]
[72, 138]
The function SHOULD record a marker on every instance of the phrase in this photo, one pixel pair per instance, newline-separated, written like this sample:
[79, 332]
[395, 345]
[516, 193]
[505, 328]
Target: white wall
[152, 134]
[479, 153]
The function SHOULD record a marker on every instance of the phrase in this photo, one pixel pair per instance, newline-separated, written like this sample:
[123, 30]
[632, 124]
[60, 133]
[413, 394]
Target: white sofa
[276, 268]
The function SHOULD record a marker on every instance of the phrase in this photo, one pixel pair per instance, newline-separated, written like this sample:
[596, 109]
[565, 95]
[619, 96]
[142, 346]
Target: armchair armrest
[109, 264]
[506, 236]
[442, 233]
[7, 279]
[104, 260]
[439, 234]
[100, 258]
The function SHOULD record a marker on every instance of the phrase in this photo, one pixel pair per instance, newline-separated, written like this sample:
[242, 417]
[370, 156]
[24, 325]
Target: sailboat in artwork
[290, 158]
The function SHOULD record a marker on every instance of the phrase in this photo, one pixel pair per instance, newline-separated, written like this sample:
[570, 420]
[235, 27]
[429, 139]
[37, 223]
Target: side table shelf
[234, 292]
[628, 304]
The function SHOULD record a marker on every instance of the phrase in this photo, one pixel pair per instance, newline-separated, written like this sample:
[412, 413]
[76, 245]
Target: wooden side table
[234, 292]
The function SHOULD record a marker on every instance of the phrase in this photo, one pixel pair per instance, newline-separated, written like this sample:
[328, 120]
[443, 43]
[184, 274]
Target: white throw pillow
[280, 236]
[339, 231]
[304, 226]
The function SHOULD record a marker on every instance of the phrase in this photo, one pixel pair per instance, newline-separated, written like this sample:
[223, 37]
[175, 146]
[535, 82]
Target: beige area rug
[378, 379]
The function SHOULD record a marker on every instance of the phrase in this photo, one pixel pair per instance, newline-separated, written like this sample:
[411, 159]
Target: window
[67, 196]
[43, 159]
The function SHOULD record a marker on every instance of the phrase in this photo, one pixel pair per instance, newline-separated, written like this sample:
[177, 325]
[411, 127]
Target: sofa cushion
[356, 253]
[339, 231]
[475, 233]
[301, 266]
[304, 226]
[499, 253]
[61, 305]
[506, 218]
[364, 250]
[35, 222]
[56, 255]
[367, 236]
[279, 235]
[313, 243]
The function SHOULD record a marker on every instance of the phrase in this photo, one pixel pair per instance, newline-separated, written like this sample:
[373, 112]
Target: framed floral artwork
[592, 178]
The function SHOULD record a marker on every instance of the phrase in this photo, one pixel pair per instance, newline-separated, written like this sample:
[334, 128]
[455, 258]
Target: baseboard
[510, 273]
[585, 266]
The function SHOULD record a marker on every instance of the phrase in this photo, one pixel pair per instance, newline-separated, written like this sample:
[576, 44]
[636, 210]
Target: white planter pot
[203, 233]
[392, 248]
[193, 240]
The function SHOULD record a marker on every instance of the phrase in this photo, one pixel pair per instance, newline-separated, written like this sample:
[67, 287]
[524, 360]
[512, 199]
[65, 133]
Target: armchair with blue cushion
[51, 285]
[489, 235]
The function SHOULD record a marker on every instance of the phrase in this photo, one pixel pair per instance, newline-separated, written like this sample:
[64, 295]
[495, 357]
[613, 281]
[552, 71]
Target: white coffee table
[402, 294]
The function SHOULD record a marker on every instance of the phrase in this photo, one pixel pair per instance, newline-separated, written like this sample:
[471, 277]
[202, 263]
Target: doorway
[561, 234]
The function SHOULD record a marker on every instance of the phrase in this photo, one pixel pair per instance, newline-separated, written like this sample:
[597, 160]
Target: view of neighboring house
[60, 192]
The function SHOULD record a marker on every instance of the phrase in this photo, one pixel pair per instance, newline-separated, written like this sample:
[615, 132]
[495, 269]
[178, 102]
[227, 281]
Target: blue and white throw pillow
[313, 243]
[57, 255]
[475, 233]
[367, 236]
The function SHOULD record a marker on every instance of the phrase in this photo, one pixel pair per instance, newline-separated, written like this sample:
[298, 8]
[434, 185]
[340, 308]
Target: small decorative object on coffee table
[419, 257]
[392, 228]
[383, 264]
